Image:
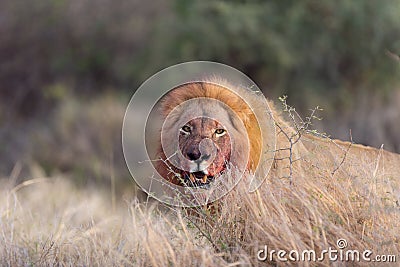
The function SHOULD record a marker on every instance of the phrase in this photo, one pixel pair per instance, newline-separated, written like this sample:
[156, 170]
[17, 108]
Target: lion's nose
[202, 151]
[194, 155]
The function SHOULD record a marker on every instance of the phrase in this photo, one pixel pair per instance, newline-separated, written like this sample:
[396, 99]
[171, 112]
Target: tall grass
[51, 222]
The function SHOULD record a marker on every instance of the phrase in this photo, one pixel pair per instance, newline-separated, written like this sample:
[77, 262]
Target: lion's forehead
[201, 112]
[204, 124]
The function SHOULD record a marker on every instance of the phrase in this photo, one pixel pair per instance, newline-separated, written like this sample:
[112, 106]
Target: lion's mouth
[198, 179]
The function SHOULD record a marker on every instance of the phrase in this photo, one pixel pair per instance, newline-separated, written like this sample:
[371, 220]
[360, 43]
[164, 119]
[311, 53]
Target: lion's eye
[186, 129]
[220, 132]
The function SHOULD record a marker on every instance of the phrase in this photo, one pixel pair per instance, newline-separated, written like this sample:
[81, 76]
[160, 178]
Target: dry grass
[336, 190]
[51, 222]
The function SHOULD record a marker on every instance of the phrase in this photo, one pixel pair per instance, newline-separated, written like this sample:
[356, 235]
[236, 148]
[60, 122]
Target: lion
[206, 149]
[207, 160]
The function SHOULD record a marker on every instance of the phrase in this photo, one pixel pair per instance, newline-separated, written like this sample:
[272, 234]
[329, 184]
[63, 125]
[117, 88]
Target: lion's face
[205, 133]
[206, 145]
[199, 137]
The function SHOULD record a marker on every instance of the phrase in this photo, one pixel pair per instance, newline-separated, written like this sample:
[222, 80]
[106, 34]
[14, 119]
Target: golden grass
[51, 222]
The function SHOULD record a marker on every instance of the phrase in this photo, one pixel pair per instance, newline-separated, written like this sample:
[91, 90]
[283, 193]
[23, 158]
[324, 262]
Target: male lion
[206, 150]
[206, 142]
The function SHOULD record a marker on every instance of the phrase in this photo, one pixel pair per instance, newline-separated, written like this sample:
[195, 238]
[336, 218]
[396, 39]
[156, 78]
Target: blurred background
[69, 68]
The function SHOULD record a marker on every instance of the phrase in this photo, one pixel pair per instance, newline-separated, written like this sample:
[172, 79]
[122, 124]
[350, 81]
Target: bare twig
[344, 156]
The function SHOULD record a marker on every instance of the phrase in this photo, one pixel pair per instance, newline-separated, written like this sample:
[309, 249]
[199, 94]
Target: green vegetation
[321, 48]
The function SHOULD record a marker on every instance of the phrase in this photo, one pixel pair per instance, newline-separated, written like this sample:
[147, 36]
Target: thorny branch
[301, 126]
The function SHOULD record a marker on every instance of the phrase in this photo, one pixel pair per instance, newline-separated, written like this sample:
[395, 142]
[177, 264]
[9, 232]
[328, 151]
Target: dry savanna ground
[49, 221]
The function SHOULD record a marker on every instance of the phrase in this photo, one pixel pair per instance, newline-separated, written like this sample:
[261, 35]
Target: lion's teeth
[204, 180]
[191, 176]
